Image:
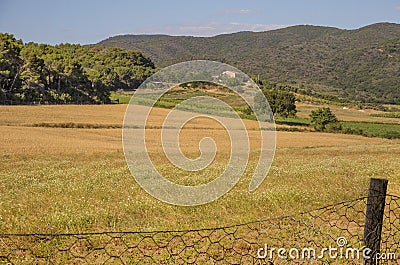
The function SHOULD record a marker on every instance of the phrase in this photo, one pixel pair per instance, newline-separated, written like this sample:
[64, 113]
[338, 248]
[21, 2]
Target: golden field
[55, 179]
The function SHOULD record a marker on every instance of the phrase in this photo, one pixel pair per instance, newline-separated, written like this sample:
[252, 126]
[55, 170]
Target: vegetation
[303, 91]
[323, 119]
[359, 65]
[66, 172]
[395, 115]
[355, 121]
[282, 103]
[122, 97]
[75, 179]
[293, 121]
[320, 119]
[370, 129]
[67, 73]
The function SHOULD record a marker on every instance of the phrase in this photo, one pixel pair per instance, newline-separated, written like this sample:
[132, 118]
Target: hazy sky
[89, 21]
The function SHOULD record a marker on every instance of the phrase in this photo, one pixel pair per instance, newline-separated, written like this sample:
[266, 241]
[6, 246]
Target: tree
[67, 72]
[323, 119]
[10, 64]
[282, 103]
[33, 75]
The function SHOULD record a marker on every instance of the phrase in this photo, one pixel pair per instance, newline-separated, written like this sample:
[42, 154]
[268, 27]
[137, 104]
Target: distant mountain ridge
[361, 64]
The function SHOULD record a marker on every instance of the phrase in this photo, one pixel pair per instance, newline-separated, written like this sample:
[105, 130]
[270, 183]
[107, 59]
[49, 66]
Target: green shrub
[333, 127]
[321, 117]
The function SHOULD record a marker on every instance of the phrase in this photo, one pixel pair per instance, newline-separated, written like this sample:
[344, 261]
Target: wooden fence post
[374, 218]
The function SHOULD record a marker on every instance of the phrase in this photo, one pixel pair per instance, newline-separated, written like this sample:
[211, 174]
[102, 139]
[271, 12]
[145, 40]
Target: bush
[333, 127]
[323, 119]
[282, 103]
[354, 131]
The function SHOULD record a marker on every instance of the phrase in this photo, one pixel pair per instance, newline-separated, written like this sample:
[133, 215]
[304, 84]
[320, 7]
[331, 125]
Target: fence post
[374, 218]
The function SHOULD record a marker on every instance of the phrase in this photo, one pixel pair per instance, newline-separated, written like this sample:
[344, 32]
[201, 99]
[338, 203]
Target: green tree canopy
[10, 64]
[323, 119]
[282, 103]
[67, 72]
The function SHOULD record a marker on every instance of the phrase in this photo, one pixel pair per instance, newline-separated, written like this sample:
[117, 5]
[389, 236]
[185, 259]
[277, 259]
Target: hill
[361, 65]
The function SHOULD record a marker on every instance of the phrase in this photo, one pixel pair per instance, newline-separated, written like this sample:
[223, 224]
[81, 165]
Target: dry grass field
[55, 179]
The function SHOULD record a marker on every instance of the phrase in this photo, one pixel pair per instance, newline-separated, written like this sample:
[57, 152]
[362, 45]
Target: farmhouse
[230, 74]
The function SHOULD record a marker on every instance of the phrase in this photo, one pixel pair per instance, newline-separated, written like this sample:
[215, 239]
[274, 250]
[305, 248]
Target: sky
[90, 21]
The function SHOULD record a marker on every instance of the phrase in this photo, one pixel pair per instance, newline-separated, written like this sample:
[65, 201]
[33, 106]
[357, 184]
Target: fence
[343, 226]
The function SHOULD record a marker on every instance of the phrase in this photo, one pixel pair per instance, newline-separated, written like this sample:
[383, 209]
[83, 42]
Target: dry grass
[89, 114]
[71, 179]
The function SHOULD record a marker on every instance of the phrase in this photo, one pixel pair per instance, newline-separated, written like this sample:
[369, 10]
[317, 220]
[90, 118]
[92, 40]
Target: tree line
[65, 73]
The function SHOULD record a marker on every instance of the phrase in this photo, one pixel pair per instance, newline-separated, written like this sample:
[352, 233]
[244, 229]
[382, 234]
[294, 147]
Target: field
[349, 114]
[63, 170]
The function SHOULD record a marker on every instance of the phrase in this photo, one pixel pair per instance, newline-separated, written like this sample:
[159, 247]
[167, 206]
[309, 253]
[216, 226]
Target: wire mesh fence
[295, 239]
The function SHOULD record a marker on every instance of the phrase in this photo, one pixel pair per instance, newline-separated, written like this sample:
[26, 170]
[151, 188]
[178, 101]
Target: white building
[230, 74]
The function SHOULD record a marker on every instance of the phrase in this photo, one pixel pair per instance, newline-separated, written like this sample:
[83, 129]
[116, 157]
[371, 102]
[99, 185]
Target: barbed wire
[249, 243]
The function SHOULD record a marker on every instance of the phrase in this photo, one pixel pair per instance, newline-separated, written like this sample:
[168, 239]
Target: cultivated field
[63, 170]
[347, 114]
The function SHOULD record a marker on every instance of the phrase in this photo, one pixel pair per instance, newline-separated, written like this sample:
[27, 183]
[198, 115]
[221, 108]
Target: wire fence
[337, 226]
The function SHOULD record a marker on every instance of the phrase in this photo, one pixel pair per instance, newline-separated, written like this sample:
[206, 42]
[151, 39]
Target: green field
[123, 98]
[395, 115]
[369, 129]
